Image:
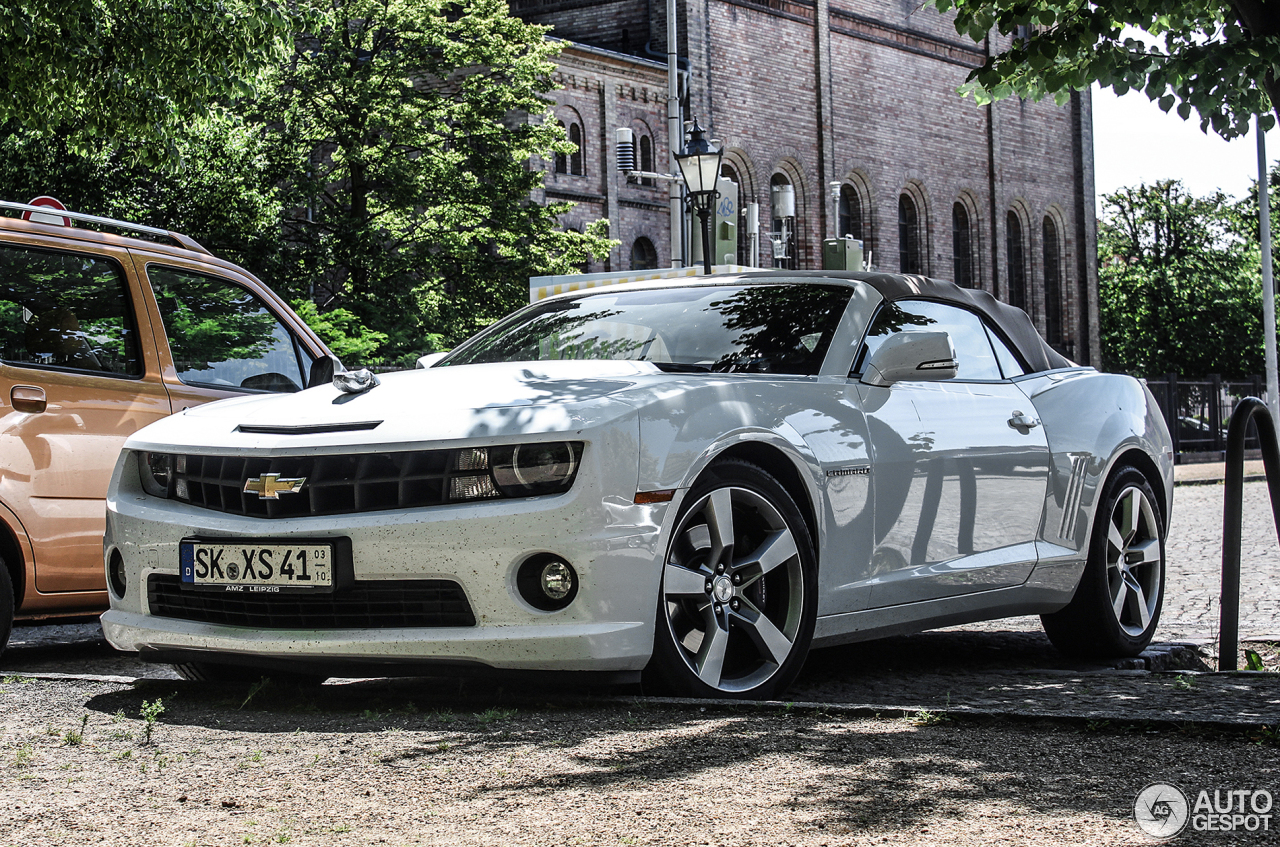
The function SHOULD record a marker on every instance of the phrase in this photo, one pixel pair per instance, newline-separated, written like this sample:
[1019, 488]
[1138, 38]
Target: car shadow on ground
[843, 774]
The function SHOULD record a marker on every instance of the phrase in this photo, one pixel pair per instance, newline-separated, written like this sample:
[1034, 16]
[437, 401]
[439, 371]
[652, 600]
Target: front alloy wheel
[738, 595]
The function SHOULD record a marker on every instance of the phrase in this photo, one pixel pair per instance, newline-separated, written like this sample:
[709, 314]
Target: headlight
[157, 472]
[543, 468]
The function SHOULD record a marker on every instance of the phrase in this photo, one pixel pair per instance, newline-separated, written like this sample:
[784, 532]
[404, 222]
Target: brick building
[853, 104]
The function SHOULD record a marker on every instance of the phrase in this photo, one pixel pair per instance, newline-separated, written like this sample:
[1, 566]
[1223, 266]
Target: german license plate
[256, 567]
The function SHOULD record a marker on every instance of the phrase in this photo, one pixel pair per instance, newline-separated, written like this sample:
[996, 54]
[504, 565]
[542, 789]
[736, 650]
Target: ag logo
[1161, 810]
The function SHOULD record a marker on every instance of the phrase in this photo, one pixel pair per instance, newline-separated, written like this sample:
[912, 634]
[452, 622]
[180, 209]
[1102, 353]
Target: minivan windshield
[780, 329]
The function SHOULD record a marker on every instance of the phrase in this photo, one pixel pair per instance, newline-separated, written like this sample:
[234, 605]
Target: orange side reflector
[643, 497]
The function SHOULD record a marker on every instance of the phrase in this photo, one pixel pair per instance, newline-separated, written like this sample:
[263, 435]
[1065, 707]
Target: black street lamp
[700, 167]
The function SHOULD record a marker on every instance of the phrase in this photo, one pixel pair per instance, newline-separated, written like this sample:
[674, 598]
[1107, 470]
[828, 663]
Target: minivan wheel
[6, 605]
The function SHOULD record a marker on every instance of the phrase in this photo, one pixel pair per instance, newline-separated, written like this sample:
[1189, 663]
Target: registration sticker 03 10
[256, 567]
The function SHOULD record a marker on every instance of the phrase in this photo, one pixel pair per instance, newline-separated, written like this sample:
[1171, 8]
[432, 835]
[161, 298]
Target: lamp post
[700, 167]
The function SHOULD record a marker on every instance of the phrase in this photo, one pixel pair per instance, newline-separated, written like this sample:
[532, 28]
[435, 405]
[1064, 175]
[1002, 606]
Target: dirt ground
[452, 763]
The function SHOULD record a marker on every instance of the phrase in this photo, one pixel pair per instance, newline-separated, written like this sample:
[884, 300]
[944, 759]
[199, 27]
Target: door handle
[1021, 421]
[28, 398]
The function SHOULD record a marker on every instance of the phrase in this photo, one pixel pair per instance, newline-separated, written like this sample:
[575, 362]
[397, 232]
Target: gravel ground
[416, 762]
[461, 763]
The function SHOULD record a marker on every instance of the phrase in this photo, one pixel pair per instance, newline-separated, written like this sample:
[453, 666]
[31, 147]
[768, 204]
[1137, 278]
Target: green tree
[1179, 283]
[108, 72]
[1219, 57]
[225, 193]
[411, 126]
[351, 341]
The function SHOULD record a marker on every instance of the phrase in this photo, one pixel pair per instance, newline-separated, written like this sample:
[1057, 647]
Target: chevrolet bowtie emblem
[270, 486]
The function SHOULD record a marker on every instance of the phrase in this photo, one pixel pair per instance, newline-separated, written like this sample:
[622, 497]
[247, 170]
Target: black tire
[1114, 612]
[763, 599]
[238, 675]
[6, 605]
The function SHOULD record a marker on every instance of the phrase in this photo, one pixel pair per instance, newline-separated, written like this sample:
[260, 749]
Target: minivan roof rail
[177, 238]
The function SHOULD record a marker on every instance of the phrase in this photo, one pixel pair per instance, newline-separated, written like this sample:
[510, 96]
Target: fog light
[547, 582]
[557, 580]
[115, 574]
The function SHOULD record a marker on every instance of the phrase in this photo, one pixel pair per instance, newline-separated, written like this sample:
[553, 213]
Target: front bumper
[605, 646]
[614, 545]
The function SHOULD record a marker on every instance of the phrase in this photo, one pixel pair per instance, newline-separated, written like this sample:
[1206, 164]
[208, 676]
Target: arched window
[742, 253]
[576, 157]
[643, 255]
[909, 260]
[562, 161]
[961, 246]
[850, 222]
[646, 158]
[1052, 283]
[1017, 261]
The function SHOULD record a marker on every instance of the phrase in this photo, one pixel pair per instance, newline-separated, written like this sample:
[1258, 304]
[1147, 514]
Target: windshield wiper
[681, 368]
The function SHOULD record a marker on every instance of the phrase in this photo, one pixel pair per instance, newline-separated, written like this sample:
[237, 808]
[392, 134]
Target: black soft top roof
[1013, 323]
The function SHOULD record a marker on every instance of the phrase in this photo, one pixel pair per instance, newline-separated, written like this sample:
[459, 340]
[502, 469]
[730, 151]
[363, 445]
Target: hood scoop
[307, 429]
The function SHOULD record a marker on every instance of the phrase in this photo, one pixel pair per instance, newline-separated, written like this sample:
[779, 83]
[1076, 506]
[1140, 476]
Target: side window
[66, 310]
[222, 335]
[968, 335]
[1009, 364]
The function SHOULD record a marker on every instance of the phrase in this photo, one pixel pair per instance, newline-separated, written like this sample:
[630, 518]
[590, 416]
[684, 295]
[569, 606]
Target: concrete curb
[1091, 721]
[1218, 480]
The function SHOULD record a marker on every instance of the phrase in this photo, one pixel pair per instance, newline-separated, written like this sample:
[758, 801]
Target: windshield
[781, 329]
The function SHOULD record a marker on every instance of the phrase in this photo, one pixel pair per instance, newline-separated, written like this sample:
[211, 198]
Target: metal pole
[675, 140]
[1249, 409]
[704, 215]
[1268, 287]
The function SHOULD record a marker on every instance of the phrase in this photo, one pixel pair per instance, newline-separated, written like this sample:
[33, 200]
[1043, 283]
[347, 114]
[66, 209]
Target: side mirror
[430, 359]
[322, 371]
[916, 356]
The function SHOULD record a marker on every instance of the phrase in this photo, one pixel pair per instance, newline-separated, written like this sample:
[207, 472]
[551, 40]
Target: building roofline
[612, 55]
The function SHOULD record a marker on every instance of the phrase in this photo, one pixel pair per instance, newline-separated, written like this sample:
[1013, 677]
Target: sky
[1134, 142]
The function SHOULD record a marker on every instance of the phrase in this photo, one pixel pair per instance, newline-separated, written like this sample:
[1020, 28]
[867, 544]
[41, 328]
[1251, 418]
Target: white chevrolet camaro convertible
[695, 481]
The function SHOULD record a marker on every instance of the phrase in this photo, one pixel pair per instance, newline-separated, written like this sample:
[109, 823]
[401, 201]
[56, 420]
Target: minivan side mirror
[915, 356]
[323, 369]
[430, 359]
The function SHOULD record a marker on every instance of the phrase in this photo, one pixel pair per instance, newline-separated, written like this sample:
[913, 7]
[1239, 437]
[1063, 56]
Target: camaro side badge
[270, 486]
[865, 470]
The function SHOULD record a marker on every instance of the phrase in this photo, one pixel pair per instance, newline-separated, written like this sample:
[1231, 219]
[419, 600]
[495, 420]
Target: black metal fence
[1198, 411]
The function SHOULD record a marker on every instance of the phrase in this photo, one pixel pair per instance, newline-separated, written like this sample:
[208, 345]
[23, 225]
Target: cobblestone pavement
[999, 667]
[1193, 580]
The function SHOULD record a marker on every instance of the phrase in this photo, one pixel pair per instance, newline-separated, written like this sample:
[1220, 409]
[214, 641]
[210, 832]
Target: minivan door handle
[28, 398]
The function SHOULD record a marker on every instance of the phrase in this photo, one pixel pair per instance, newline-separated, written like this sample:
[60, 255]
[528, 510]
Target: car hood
[413, 407]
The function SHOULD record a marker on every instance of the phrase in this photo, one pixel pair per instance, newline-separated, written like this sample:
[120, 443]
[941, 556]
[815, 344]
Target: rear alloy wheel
[738, 601]
[1117, 604]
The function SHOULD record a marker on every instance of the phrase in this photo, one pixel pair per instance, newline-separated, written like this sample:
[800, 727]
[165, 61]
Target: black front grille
[334, 485]
[369, 605]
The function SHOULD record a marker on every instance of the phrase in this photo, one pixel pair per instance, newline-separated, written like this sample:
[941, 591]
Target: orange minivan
[106, 326]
